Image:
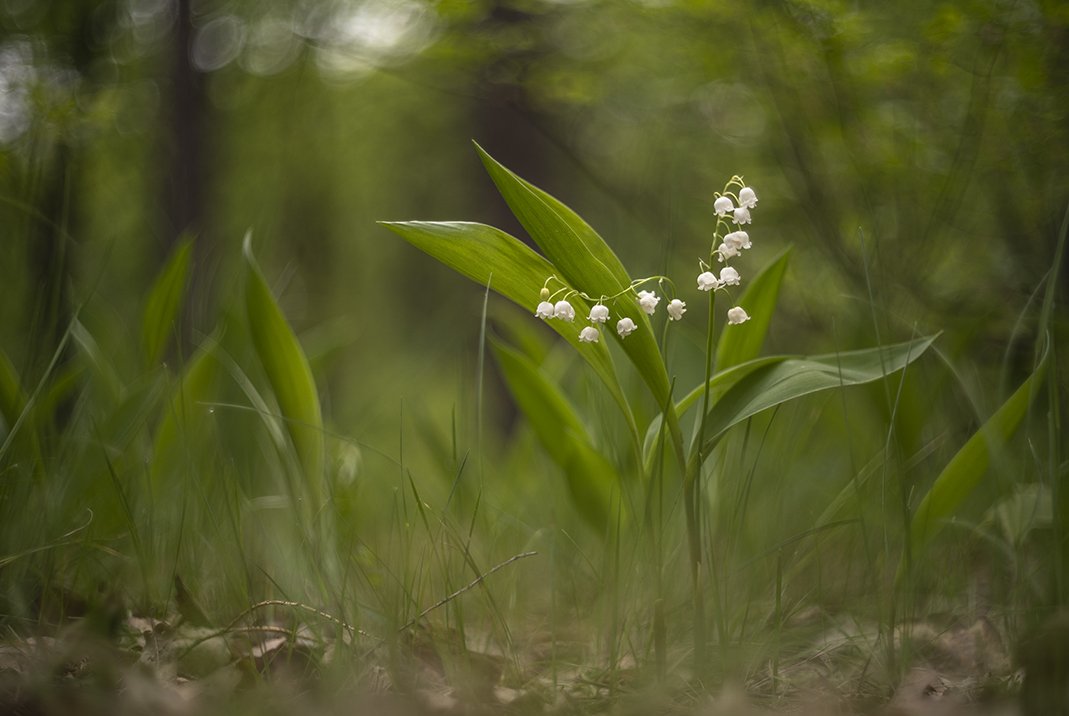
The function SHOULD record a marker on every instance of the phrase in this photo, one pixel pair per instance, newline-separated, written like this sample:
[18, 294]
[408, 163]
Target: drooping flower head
[676, 309]
[707, 281]
[737, 315]
[726, 251]
[544, 310]
[599, 314]
[648, 300]
[589, 335]
[747, 197]
[625, 327]
[723, 206]
[564, 311]
[738, 240]
[729, 276]
[741, 215]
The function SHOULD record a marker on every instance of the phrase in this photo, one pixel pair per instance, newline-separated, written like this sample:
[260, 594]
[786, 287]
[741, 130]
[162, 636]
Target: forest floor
[171, 667]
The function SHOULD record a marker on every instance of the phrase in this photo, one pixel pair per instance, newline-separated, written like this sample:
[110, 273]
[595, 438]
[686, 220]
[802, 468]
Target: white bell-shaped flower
[738, 240]
[599, 314]
[544, 310]
[564, 311]
[723, 206]
[625, 327]
[741, 215]
[737, 315]
[589, 335]
[676, 309]
[729, 276]
[747, 197]
[648, 300]
[726, 251]
[707, 281]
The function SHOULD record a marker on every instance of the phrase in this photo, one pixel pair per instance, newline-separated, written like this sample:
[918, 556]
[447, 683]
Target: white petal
[723, 206]
[747, 197]
[707, 281]
[729, 276]
[564, 311]
[544, 310]
[736, 316]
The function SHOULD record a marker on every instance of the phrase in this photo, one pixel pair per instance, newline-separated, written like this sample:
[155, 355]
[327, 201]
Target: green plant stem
[691, 499]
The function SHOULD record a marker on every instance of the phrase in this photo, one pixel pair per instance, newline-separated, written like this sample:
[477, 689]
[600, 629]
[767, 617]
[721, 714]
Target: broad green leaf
[965, 470]
[717, 385]
[739, 344]
[777, 383]
[164, 299]
[586, 263]
[592, 479]
[488, 255]
[184, 414]
[288, 372]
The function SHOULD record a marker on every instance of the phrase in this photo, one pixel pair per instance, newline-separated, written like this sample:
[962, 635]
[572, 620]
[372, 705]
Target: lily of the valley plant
[579, 287]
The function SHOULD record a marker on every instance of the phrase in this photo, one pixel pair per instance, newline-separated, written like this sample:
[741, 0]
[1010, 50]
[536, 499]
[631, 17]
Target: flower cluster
[736, 208]
[728, 206]
[599, 313]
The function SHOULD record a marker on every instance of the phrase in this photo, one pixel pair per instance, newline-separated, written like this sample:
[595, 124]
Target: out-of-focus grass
[118, 479]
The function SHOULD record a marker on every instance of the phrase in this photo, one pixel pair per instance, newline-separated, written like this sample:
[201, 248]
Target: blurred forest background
[921, 144]
[914, 153]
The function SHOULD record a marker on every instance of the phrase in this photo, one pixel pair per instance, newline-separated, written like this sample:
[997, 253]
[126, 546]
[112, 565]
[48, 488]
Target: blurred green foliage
[913, 153]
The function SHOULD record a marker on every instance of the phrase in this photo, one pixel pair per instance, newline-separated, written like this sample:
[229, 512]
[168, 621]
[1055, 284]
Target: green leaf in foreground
[569, 242]
[490, 256]
[288, 372]
[164, 299]
[592, 479]
[717, 385]
[583, 259]
[965, 470]
[777, 383]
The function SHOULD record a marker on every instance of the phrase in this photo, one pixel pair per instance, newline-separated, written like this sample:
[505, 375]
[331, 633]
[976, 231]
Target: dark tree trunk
[185, 172]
